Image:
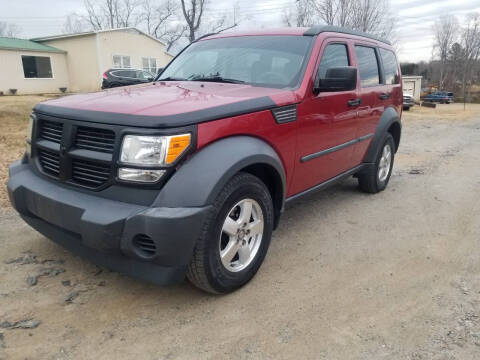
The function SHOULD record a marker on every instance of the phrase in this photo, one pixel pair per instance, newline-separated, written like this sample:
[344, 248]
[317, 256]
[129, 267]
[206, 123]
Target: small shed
[412, 85]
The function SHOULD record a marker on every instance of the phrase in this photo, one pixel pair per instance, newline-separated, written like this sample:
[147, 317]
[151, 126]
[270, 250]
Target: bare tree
[193, 16]
[111, 14]
[74, 24]
[9, 29]
[372, 16]
[470, 41]
[300, 15]
[445, 32]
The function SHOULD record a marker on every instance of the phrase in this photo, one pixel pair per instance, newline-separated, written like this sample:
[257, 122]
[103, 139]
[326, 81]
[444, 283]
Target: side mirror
[337, 79]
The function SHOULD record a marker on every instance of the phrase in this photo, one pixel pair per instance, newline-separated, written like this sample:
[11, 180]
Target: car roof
[296, 31]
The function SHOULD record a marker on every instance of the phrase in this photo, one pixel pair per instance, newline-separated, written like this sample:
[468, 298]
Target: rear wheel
[377, 180]
[235, 237]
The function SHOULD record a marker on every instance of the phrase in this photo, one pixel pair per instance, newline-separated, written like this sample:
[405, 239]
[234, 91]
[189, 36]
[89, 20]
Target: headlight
[153, 150]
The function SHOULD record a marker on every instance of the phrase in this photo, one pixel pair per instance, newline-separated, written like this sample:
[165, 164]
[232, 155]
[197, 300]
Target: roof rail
[315, 30]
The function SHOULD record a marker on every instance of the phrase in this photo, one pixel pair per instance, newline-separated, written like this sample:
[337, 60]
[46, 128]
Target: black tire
[370, 182]
[206, 270]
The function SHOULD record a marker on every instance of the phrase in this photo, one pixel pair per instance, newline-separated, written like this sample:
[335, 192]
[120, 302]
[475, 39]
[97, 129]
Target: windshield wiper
[216, 78]
[170, 78]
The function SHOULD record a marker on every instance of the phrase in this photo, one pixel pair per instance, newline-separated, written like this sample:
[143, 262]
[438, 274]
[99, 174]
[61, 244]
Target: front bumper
[103, 230]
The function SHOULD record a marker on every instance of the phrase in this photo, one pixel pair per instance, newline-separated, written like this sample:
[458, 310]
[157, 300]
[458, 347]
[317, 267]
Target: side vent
[285, 114]
[144, 245]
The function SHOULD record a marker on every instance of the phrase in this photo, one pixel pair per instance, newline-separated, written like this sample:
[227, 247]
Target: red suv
[189, 175]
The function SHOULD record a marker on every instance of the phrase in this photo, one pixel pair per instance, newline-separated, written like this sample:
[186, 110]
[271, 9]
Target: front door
[327, 124]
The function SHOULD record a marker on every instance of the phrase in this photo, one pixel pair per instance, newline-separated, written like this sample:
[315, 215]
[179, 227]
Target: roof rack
[315, 30]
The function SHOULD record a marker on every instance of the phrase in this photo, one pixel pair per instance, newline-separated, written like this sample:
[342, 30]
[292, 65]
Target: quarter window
[149, 64]
[121, 61]
[334, 55]
[390, 67]
[367, 66]
[37, 67]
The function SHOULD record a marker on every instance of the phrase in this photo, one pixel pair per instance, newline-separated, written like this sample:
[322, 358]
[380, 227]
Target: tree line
[455, 65]
[173, 20]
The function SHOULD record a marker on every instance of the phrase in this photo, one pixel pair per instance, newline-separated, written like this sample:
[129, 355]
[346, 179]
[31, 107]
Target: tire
[211, 268]
[377, 180]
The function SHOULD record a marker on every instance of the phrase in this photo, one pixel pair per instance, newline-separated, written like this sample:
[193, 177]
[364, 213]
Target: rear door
[372, 93]
[327, 124]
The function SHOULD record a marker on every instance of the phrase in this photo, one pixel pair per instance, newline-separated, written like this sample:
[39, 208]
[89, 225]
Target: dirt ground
[348, 275]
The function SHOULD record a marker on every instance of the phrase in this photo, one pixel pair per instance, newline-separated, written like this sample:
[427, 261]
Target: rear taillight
[105, 75]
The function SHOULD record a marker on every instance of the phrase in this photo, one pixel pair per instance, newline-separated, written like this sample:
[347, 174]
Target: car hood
[166, 104]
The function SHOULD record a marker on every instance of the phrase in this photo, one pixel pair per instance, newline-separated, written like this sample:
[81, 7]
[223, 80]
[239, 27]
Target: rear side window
[390, 67]
[367, 66]
[334, 55]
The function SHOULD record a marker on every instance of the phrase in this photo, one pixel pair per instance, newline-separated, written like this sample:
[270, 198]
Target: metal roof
[87, 33]
[26, 45]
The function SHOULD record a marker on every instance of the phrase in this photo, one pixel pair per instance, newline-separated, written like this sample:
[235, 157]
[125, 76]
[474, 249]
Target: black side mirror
[337, 79]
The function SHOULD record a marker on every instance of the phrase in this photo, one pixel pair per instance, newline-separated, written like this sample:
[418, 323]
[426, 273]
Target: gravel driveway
[348, 276]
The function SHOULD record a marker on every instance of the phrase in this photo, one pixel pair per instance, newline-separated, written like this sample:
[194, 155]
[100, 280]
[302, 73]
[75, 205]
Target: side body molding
[388, 118]
[201, 178]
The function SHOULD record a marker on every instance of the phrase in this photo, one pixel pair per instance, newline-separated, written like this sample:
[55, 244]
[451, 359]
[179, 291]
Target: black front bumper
[103, 230]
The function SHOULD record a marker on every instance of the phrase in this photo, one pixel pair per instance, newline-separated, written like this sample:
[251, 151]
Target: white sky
[46, 17]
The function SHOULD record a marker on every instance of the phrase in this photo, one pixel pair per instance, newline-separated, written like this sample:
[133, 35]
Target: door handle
[384, 96]
[354, 102]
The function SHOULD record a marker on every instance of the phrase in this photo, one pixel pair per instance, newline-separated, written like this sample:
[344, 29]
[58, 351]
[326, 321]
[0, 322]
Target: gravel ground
[348, 276]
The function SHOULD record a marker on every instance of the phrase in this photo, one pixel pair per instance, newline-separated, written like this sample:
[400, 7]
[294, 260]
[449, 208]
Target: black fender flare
[388, 118]
[201, 178]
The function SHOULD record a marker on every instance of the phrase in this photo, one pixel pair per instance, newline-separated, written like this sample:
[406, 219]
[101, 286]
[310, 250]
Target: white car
[408, 101]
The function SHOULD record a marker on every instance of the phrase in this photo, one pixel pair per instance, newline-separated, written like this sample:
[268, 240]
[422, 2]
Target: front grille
[90, 174]
[60, 145]
[144, 245]
[95, 139]
[50, 162]
[51, 131]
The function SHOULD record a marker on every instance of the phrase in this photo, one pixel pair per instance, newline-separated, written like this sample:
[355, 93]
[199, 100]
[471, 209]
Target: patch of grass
[14, 113]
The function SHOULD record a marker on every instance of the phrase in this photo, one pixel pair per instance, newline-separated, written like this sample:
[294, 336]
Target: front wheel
[235, 237]
[377, 180]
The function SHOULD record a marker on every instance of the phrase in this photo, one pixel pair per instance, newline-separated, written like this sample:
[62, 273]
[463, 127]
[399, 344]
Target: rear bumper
[102, 230]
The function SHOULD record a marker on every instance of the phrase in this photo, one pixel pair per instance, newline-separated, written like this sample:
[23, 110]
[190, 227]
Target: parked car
[442, 97]
[408, 101]
[123, 77]
[190, 175]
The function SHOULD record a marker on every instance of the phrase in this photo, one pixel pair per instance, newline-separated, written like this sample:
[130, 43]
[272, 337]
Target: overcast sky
[46, 17]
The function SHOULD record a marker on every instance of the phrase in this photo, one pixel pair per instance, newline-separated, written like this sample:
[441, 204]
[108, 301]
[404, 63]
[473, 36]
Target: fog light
[140, 175]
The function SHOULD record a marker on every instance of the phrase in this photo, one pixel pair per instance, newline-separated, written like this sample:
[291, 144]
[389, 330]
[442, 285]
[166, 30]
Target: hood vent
[285, 114]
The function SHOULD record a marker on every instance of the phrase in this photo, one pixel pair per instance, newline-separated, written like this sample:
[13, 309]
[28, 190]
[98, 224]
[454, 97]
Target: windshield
[270, 61]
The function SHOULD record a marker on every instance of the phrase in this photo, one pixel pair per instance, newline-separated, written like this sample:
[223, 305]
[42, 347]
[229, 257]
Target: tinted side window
[334, 55]
[367, 66]
[390, 67]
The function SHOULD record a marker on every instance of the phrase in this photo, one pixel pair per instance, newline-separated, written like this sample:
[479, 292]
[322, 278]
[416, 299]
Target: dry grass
[444, 112]
[14, 112]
